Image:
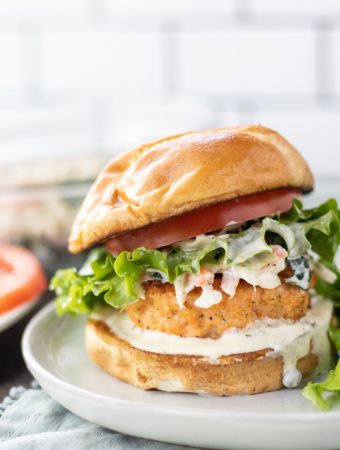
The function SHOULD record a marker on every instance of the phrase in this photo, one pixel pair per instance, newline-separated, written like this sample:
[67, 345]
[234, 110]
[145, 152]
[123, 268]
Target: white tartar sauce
[289, 339]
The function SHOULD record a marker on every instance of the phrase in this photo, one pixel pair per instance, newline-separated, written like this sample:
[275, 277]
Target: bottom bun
[246, 373]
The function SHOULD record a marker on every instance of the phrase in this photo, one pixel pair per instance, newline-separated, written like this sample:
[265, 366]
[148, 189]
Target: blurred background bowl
[38, 203]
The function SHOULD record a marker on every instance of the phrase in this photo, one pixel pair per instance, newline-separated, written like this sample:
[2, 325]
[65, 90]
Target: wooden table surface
[13, 371]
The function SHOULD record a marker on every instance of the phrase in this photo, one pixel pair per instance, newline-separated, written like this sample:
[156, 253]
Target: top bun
[184, 172]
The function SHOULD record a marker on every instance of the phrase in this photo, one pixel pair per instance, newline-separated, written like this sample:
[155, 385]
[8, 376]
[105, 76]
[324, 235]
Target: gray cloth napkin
[30, 419]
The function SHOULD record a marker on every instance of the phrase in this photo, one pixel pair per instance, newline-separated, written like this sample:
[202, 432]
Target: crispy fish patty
[160, 311]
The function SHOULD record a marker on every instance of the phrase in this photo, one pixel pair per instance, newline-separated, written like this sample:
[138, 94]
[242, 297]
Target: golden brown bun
[168, 177]
[247, 373]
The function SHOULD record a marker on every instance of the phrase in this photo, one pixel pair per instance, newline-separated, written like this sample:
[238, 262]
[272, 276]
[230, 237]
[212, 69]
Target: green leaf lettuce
[331, 385]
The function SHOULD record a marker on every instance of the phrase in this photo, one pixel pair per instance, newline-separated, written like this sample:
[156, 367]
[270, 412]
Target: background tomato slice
[21, 277]
[205, 220]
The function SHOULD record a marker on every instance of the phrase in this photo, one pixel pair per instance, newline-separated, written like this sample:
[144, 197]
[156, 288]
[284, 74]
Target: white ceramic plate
[14, 315]
[54, 352]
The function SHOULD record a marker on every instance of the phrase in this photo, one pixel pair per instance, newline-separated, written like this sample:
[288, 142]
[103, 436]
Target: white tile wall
[41, 118]
[42, 7]
[59, 143]
[89, 75]
[243, 62]
[10, 66]
[336, 66]
[101, 61]
[174, 7]
[44, 131]
[295, 6]
[132, 124]
[315, 133]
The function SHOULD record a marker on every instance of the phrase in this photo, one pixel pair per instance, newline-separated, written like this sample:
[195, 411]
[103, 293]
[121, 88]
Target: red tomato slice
[205, 220]
[21, 277]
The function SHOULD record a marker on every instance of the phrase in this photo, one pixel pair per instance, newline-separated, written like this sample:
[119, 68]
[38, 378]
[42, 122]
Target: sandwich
[206, 273]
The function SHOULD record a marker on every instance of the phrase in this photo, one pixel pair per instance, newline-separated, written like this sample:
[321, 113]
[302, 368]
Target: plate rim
[35, 366]
[19, 312]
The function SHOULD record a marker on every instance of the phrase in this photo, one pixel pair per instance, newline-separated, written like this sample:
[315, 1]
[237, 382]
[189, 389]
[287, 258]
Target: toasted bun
[247, 373]
[181, 173]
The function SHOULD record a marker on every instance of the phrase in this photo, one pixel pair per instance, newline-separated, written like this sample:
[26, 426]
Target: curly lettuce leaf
[321, 226]
[321, 229]
[329, 290]
[72, 296]
[330, 386]
[334, 334]
[96, 283]
[298, 214]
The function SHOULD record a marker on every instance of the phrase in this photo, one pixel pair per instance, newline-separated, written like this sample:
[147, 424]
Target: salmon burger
[206, 274]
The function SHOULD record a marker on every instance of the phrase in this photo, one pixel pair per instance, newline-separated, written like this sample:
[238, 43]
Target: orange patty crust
[160, 311]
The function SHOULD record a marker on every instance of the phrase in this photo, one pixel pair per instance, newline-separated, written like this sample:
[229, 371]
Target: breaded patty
[160, 311]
